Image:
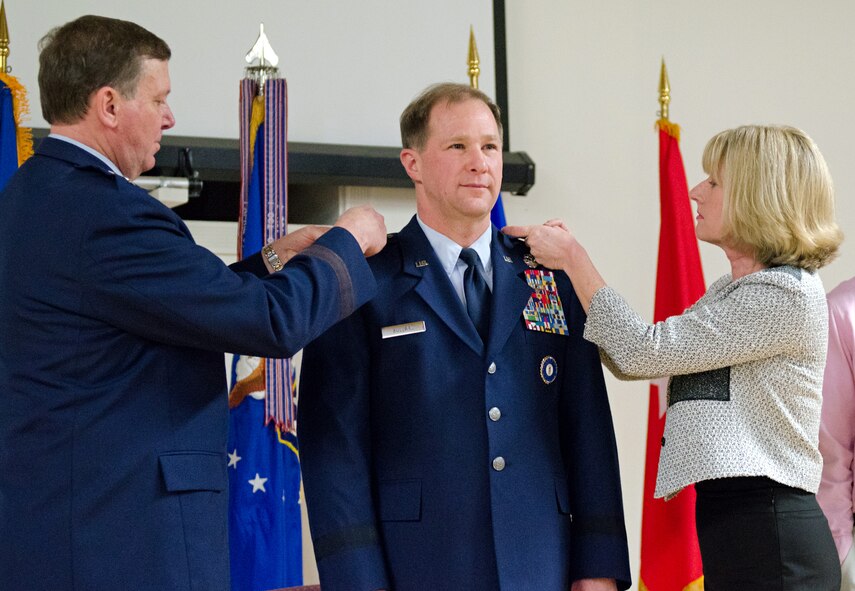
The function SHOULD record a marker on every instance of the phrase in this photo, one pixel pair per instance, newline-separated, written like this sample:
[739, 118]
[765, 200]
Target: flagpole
[266, 68]
[265, 540]
[474, 61]
[670, 556]
[4, 39]
[664, 101]
[664, 92]
[497, 214]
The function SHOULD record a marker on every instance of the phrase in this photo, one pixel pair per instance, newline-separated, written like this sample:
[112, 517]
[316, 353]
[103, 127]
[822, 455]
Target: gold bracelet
[272, 257]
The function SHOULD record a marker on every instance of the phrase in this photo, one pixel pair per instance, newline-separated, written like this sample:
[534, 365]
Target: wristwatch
[272, 257]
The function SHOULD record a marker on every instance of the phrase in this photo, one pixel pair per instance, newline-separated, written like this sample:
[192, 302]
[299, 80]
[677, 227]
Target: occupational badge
[529, 260]
[548, 369]
[543, 312]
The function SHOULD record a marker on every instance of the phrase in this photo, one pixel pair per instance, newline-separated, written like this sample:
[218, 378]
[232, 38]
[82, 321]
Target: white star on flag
[234, 459]
[258, 483]
[662, 389]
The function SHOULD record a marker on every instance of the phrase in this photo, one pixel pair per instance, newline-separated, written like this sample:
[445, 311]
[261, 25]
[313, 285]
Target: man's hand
[367, 226]
[594, 585]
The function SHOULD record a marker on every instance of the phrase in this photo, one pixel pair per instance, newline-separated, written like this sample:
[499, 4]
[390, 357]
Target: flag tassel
[21, 108]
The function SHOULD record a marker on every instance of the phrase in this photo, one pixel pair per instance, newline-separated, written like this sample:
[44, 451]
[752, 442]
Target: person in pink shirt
[837, 429]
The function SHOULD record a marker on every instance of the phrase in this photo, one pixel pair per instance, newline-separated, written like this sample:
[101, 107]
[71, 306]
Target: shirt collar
[448, 251]
[113, 168]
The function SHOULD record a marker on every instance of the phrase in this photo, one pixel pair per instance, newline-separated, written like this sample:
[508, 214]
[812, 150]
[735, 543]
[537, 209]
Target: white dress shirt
[448, 253]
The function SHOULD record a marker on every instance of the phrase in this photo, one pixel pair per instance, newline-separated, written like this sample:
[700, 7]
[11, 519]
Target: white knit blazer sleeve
[756, 317]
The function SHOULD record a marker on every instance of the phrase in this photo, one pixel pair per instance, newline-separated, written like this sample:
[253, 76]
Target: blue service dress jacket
[432, 462]
[113, 403]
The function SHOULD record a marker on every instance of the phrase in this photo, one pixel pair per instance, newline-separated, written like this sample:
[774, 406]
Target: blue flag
[8, 139]
[265, 537]
[497, 214]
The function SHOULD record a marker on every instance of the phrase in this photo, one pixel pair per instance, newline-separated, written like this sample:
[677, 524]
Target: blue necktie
[476, 292]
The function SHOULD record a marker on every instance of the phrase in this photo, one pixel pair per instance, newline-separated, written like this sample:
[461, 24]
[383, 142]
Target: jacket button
[492, 369]
[495, 414]
[663, 442]
[498, 464]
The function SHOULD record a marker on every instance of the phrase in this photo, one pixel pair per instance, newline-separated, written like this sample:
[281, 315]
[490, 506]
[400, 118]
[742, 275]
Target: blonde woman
[746, 361]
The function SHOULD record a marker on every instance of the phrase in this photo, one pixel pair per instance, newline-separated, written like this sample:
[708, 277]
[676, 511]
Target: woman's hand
[550, 243]
[554, 246]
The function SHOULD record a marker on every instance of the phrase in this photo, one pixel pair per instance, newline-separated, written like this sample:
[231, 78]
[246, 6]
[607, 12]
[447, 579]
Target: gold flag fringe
[671, 129]
[255, 121]
[20, 109]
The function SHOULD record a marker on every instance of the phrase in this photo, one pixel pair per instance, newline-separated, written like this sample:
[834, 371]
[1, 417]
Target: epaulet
[393, 243]
[387, 257]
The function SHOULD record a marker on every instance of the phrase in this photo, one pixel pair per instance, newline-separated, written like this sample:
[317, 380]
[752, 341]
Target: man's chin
[148, 164]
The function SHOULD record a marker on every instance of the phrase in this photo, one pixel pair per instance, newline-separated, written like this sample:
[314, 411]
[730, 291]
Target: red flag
[670, 557]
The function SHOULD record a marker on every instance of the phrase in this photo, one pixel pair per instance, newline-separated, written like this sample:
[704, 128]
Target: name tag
[400, 330]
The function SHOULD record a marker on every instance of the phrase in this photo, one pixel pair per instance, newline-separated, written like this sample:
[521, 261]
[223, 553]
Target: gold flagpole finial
[664, 92]
[262, 61]
[474, 61]
[4, 39]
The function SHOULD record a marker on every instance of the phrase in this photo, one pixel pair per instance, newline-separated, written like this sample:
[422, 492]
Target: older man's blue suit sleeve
[335, 448]
[138, 264]
[252, 264]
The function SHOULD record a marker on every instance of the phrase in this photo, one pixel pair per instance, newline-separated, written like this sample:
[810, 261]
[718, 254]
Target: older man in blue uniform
[455, 432]
[113, 405]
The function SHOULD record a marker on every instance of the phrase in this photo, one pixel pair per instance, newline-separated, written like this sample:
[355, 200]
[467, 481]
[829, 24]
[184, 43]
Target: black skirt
[758, 535]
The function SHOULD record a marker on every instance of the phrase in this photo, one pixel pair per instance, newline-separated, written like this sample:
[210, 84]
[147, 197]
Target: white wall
[583, 86]
[583, 79]
[351, 66]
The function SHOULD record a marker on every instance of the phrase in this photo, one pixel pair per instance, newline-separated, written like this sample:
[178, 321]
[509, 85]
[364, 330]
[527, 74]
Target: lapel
[419, 261]
[510, 290]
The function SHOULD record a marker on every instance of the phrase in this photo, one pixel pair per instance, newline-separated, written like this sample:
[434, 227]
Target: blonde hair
[778, 194]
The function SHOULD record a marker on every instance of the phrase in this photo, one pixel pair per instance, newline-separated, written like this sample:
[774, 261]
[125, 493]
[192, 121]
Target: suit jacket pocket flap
[188, 471]
[400, 500]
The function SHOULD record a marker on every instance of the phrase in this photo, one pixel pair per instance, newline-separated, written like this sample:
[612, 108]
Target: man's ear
[412, 164]
[104, 104]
